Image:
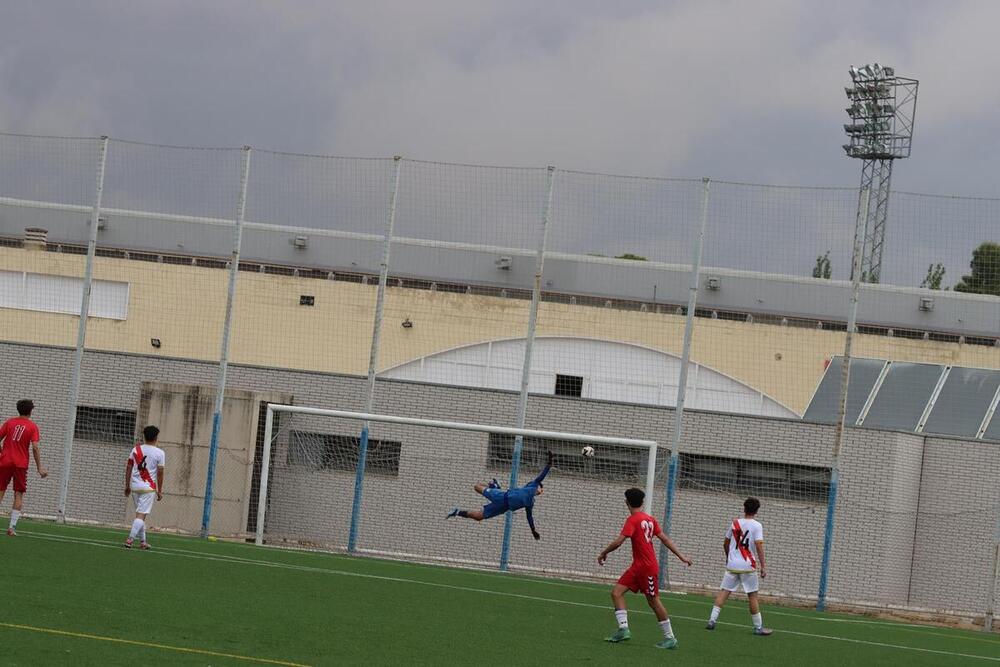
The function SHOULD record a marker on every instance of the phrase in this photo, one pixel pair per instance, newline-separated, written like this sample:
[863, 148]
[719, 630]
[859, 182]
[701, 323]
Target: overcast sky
[737, 90]
[746, 91]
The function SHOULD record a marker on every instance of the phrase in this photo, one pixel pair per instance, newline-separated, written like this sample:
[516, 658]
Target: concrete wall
[183, 307]
[907, 532]
[959, 504]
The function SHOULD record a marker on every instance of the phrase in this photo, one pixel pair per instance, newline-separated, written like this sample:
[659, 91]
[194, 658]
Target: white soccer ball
[588, 451]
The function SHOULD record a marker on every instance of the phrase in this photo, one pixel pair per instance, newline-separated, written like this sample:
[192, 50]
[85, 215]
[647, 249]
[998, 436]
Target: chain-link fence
[709, 316]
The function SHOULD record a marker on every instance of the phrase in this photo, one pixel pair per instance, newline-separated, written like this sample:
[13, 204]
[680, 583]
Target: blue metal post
[831, 504]
[668, 510]
[508, 519]
[359, 480]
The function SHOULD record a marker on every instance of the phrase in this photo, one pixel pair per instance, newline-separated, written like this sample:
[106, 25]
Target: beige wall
[183, 306]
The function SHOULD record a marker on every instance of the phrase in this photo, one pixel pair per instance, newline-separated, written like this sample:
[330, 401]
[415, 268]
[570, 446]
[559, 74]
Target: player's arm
[669, 543]
[128, 476]
[760, 557]
[725, 546]
[531, 523]
[159, 482]
[42, 472]
[545, 470]
[618, 541]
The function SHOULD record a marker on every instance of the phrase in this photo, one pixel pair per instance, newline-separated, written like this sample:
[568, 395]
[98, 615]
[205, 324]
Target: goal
[314, 494]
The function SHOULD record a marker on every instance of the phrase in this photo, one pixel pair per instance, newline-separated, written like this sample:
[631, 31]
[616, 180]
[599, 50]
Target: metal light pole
[882, 111]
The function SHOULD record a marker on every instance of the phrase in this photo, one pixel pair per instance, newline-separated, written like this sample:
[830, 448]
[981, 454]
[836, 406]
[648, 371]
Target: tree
[935, 274]
[823, 269]
[628, 255]
[985, 275]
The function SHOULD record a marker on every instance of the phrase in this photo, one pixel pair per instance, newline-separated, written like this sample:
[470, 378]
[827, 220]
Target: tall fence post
[81, 334]
[675, 443]
[383, 277]
[220, 391]
[845, 377]
[529, 343]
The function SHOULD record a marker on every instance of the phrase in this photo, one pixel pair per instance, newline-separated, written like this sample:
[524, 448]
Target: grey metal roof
[904, 396]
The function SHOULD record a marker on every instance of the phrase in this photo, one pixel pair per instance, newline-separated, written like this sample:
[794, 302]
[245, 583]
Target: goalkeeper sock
[758, 622]
[715, 614]
[622, 617]
[14, 516]
[668, 632]
[463, 514]
[137, 525]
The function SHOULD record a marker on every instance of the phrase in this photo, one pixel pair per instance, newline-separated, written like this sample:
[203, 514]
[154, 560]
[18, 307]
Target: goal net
[417, 470]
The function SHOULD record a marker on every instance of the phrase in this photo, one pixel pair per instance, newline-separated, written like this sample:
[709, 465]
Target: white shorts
[143, 501]
[748, 580]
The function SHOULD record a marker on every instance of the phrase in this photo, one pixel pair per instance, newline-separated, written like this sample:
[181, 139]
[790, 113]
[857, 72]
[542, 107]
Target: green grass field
[74, 596]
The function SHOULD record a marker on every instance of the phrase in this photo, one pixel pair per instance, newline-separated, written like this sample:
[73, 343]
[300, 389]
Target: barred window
[104, 425]
[329, 451]
[754, 478]
[610, 463]
[569, 385]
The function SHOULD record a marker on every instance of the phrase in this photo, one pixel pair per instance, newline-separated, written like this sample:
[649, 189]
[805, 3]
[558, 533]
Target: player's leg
[652, 591]
[479, 488]
[20, 487]
[621, 609]
[729, 583]
[750, 585]
[6, 474]
[143, 505]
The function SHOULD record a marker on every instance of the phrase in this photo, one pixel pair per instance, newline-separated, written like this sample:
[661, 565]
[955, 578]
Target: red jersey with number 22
[641, 528]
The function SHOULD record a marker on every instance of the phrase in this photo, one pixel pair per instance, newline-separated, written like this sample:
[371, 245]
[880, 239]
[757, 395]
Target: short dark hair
[25, 406]
[751, 505]
[634, 497]
[150, 434]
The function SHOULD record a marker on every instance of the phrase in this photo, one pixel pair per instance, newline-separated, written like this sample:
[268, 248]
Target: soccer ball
[588, 451]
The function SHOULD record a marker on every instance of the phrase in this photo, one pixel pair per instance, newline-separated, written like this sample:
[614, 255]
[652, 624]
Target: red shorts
[19, 475]
[641, 579]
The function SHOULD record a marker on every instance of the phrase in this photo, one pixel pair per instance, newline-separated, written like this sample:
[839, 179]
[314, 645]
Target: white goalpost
[417, 470]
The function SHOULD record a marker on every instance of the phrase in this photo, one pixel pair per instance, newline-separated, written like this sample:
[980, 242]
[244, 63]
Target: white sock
[758, 622]
[137, 525]
[715, 614]
[14, 516]
[667, 630]
[622, 616]
[142, 533]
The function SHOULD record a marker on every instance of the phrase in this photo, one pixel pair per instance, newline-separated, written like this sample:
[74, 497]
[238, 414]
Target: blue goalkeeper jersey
[523, 497]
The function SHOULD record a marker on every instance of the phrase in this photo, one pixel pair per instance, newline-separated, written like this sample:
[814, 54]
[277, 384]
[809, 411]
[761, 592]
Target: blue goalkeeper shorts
[497, 504]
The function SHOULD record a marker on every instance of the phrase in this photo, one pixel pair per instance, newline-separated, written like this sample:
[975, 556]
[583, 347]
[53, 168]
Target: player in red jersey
[644, 574]
[17, 435]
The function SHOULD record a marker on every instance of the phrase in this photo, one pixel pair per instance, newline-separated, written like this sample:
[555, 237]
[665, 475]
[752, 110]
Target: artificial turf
[195, 602]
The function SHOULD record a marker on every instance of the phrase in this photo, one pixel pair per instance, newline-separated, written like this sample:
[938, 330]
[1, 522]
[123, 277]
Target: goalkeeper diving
[500, 501]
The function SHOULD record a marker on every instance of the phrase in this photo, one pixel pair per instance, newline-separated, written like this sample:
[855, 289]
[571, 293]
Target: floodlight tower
[882, 111]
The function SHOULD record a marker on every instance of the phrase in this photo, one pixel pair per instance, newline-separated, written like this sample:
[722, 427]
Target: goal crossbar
[272, 408]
